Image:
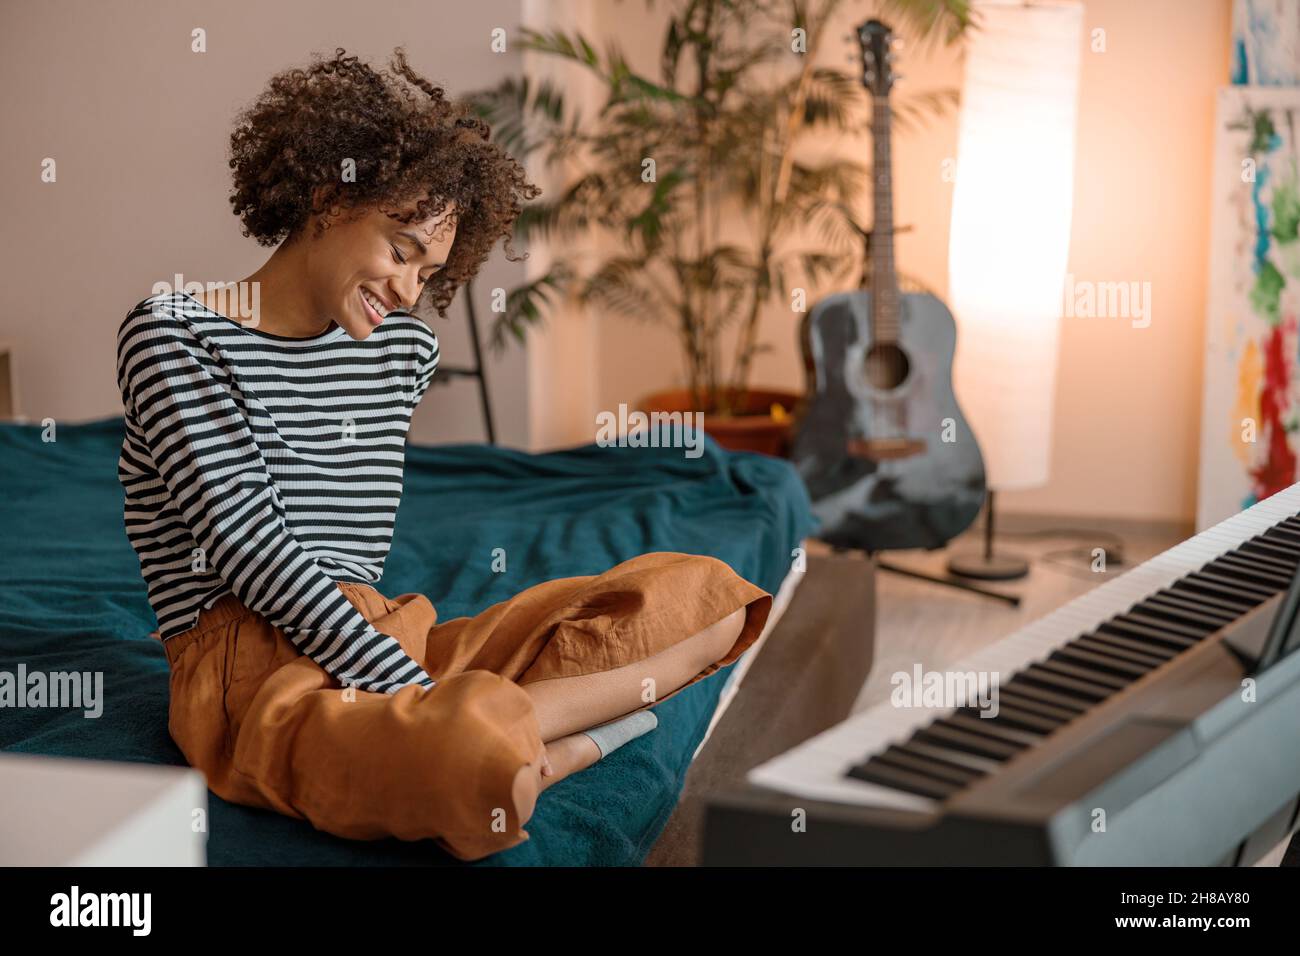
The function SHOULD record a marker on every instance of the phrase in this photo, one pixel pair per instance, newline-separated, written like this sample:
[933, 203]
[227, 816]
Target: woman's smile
[372, 314]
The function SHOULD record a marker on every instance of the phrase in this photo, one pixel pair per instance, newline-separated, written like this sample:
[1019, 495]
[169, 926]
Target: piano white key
[816, 768]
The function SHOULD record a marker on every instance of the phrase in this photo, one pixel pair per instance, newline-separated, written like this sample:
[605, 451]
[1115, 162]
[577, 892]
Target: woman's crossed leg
[565, 706]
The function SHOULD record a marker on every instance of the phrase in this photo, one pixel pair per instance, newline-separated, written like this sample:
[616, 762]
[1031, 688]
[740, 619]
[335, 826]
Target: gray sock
[609, 737]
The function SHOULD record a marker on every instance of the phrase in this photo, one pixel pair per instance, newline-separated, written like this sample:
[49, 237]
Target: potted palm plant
[714, 136]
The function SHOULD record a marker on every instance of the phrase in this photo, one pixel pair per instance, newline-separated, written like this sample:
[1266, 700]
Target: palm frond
[524, 306]
[621, 285]
[626, 85]
[516, 104]
[833, 99]
[835, 223]
[838, 180]
[585, 202]
[934, 20]
[558, 43]
[649, 224]
[914, 110]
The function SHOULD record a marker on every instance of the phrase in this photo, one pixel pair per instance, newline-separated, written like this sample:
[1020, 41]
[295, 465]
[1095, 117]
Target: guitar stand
[1012, 599]
[883, 565]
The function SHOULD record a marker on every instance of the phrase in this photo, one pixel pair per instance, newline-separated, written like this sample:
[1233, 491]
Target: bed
[73, 600]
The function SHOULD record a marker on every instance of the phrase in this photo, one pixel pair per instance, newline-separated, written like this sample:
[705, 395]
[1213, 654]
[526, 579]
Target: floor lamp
[1009, 242]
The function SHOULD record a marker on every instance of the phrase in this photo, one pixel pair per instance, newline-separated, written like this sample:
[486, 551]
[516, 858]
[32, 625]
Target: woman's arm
[189, 415]
[427, 355]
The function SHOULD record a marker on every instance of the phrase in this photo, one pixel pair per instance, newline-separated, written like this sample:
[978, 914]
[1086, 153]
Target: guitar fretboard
[884, 282]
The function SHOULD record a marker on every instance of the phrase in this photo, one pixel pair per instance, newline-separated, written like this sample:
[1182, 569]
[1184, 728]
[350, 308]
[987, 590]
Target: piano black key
[1277, 531]
[1047, 695]
[1254, 573]
[875, 771]
[1130, 650]
[971, 743]
[1281, 542]
[1235, 606]
[1265, 558]
[989, 726]
[1180, 607]
[1203, 624]
[1283, 532]
[1264, 536]
[1219, 584]
[1127, 627]
[1252, 552]
[1032, 705]
[1285, 566]
[1088, 691]
[1022, 717]
[1173, 627]
[1105, 660]
[898, 757]
[1092, 675]
[959, 758]
[1289, 556]
[1247, 562]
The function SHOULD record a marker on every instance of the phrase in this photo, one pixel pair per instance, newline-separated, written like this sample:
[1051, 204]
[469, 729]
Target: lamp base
[988, 567]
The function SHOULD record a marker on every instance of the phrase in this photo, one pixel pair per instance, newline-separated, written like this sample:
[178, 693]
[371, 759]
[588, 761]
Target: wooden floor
[934, 625]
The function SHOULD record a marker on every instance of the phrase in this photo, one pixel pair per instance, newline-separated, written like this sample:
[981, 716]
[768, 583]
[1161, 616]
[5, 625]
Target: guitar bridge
[885, 449]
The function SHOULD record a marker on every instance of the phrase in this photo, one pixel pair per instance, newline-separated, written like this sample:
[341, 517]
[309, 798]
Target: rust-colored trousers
[270, 728]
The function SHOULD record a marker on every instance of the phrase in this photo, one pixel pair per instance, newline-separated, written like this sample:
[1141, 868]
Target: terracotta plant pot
[754, 429]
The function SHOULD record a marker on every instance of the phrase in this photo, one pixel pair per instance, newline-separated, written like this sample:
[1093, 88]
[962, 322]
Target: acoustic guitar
[888, 458]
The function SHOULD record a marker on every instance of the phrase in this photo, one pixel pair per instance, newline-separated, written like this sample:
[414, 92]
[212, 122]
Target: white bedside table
[60, 811]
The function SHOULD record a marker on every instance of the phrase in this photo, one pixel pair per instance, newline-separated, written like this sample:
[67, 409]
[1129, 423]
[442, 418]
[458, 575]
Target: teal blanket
[72, 599]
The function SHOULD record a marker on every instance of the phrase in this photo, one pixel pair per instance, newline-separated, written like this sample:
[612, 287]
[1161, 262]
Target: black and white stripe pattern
[270, 468]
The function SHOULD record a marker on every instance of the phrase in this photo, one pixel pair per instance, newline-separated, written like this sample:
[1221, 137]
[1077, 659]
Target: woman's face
[364, 268]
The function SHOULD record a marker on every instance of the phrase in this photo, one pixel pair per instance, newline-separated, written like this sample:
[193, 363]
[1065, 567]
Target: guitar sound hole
[887, 366]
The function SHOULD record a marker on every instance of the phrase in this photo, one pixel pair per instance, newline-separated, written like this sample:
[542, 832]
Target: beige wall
[1128, 401]
[139, 127]
[562, 356]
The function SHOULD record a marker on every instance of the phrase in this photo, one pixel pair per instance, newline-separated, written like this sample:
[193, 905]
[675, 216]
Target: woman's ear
[322, 195]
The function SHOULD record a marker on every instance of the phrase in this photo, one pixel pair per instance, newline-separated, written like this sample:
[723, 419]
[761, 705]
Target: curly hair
[407, 141]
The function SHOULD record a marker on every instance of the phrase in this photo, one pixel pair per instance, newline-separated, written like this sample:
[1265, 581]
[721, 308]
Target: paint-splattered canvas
[1250, 425]
[1266, 42]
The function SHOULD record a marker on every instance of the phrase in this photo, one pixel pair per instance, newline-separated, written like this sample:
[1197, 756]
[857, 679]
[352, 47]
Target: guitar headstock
[877, 40]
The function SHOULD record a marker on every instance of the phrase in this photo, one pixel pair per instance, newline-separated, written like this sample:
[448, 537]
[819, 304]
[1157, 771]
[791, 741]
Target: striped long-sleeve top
[270, 468]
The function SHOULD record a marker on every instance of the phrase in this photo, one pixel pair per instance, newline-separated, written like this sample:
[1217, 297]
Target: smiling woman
[263, 464]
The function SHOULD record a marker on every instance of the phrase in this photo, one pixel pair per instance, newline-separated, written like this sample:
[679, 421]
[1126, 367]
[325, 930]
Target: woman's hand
[557, 760]
[566, 756]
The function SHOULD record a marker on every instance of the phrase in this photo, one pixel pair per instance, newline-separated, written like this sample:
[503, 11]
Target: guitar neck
[884, 282]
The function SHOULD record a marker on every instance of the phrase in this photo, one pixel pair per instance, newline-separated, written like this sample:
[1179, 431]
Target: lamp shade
[1010, 235]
